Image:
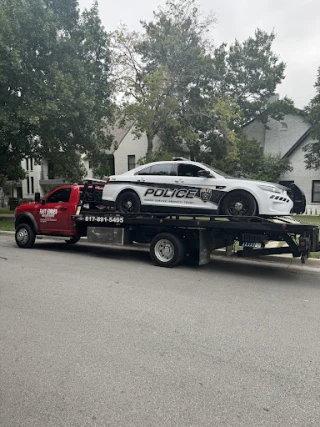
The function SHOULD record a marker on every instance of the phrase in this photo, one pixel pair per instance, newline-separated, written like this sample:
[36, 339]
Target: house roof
[297, 144]
[299, 112]
[119, 133]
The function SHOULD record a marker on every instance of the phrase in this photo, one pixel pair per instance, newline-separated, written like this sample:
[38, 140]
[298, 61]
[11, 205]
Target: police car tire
[133, 196]
[252, 205]
[25, 236]
[179, 250]
[73, 240]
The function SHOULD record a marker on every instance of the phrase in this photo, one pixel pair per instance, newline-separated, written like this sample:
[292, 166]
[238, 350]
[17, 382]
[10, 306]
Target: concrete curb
[6, 233]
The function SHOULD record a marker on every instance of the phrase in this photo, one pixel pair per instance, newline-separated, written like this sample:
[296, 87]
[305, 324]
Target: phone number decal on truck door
[114, 219]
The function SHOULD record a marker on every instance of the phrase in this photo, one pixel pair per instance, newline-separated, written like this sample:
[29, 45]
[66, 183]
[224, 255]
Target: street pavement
[95, 337]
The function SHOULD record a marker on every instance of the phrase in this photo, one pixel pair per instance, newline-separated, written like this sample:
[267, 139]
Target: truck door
[53, 216]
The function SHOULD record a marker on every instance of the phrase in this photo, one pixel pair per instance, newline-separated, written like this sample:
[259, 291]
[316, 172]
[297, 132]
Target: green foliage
[251, 71]
[253, 164]
[157, 156]
[312, 150]
[54, 83]
[176, 85]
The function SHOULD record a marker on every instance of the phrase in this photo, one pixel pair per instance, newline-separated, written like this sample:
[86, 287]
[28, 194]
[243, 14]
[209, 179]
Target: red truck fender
[27, 218]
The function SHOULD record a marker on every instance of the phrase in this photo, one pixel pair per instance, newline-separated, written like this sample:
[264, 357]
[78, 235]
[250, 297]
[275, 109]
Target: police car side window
[59, 196]
[162, 169]
[188, 170]
[145, 171]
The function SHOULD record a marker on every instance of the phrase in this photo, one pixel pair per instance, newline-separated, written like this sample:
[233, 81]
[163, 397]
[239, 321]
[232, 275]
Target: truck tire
[239, 203]
[25, 236]
[128, 203]
[73, 240]
[167, 250]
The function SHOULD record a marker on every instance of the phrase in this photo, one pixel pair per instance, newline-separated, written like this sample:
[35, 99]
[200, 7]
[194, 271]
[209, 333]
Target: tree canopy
[54, 85]
[176, 84]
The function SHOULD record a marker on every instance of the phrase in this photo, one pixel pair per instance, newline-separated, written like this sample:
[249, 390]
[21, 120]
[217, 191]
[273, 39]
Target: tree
[312, 150]
[250, 72]
[254, 165]
[162, 69]
[54, 84]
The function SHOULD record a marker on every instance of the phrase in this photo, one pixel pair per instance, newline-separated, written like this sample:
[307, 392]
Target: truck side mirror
[37, 197]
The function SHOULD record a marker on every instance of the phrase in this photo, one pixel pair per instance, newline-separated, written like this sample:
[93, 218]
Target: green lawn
[308, 219]
[6, 224]
[6, 211]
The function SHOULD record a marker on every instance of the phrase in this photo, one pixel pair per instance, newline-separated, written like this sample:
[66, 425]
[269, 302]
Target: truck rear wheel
[167, 250]
[25, 236]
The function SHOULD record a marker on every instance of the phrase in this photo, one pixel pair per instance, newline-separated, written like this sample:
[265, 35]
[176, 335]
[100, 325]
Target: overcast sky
[296, 25]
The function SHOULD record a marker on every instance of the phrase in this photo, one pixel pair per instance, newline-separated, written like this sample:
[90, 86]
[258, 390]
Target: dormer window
[283, 126]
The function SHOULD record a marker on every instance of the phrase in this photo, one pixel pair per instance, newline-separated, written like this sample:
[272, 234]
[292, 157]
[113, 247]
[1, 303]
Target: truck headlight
[270, 188]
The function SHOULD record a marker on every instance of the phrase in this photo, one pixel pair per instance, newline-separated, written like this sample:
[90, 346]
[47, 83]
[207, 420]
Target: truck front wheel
[25, 236]
[167, 250]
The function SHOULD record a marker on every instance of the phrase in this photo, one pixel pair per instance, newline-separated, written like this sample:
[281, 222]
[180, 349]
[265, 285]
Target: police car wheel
[167, 250]
[25, 236]
[239, 203]
[128, 202]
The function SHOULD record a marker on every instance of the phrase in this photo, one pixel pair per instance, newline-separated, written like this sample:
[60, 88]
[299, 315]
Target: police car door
[156, 183]
[201, 189]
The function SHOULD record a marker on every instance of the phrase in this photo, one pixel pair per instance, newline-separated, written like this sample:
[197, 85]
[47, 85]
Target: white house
[287, 139]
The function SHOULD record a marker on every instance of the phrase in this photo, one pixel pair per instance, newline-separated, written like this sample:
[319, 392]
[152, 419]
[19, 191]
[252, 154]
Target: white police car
[184, 186]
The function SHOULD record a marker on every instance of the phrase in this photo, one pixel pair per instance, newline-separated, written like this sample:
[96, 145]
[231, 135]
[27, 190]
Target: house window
[90, 164]
[27, 164]
[32, 185]
[131, 162]
[31, 164]
[315, 191]
[283, 126]
[28, 185]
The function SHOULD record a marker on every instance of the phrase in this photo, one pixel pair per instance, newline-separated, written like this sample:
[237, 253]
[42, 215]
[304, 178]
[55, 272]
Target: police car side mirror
[204, 174]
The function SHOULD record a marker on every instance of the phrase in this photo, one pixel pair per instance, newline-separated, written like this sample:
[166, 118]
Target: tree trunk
[150, 145]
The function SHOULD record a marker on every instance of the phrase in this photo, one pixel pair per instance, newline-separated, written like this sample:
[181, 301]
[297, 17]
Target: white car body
[167, 187]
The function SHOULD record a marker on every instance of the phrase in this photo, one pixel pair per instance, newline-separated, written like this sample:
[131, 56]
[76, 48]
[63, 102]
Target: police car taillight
[107, 181]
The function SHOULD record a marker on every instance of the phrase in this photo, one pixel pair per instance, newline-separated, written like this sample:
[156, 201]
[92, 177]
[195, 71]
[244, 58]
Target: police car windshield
[218, 171]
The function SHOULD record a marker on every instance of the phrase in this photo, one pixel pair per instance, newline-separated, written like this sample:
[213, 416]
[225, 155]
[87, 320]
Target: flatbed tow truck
[172, 237]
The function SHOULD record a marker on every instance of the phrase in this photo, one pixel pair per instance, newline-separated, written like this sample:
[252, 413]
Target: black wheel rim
[128, 205]
[239, 205]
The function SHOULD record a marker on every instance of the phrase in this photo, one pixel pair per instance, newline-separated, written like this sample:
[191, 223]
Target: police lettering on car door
[177, 195]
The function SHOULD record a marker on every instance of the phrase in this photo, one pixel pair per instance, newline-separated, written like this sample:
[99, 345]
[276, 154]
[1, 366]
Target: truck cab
[52, 214]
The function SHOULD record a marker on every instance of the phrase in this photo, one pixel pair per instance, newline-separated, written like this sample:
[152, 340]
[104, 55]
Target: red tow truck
[74, 211]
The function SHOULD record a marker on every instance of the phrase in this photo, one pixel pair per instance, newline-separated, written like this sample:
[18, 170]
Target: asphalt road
[101, 337]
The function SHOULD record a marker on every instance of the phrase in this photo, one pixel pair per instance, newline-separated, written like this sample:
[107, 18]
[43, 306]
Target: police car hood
[281, 187]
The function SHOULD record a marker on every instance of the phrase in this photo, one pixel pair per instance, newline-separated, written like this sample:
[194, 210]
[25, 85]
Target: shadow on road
[245, 268]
